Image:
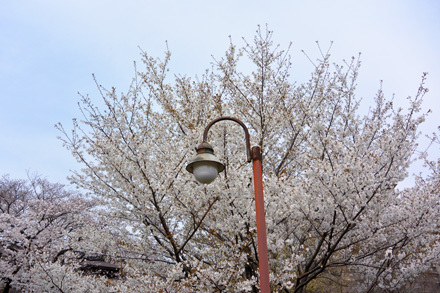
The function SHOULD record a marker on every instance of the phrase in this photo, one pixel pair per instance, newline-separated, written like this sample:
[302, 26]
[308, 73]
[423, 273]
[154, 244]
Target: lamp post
[205, 166]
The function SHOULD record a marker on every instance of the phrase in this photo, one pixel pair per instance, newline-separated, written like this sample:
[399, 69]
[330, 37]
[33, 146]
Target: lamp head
[205, 165]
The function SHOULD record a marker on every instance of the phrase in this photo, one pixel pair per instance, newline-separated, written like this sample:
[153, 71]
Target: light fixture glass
[205, 172]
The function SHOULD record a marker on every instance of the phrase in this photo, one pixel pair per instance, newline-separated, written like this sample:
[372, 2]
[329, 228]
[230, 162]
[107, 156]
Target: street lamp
[205, 166]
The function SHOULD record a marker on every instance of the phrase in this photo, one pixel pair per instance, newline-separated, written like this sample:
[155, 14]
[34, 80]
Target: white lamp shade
[205, 172]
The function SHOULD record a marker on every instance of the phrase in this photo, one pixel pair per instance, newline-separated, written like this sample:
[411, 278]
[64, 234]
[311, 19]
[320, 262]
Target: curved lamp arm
[246, 133]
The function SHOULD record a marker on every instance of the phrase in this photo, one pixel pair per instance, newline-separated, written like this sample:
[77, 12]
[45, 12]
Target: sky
[49, 50]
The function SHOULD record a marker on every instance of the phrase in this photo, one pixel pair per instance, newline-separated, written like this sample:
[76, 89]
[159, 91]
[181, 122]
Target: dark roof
[93, 264]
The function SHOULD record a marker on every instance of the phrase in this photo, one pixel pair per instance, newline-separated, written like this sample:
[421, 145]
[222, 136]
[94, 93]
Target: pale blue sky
[50, 48]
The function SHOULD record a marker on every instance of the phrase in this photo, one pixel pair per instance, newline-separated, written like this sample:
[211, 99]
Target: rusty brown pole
[263, 259]
[254, 156]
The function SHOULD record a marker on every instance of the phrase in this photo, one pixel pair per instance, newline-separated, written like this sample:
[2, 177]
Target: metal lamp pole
[205, 167]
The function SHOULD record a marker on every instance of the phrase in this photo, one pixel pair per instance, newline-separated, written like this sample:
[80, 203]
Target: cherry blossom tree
[334, 214]
[36, 217]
